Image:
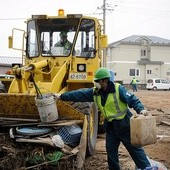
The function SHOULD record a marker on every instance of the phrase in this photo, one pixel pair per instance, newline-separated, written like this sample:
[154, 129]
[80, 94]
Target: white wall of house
[155, 71]
[160, 53]
[123, 57]
[124, 53]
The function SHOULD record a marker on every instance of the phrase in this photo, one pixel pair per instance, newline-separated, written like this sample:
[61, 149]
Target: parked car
[158, 84]
[2, 88]
[5, 81]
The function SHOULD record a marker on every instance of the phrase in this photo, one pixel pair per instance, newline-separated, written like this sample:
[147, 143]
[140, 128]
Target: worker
[113, 100]
[111, 75]
[63, 42]
[134, 84]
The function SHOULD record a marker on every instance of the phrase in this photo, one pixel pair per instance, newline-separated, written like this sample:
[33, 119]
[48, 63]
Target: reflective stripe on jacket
[114, 108]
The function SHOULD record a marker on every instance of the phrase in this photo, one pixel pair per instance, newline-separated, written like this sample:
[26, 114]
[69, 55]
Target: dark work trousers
[134, 86]
[119, 131]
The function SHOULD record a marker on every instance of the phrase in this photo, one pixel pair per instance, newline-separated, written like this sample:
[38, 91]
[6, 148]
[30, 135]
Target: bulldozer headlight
[81, 67]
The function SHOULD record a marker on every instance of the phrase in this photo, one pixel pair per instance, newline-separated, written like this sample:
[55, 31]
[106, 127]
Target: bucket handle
[39, 95]
[52, 94]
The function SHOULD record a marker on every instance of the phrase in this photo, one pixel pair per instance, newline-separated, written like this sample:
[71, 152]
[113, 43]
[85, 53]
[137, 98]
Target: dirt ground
[157, 102]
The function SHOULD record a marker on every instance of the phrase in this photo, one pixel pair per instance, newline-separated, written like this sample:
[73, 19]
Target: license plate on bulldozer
[78, 76]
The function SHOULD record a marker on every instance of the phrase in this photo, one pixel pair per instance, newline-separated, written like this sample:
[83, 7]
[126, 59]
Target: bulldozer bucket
[23, 106]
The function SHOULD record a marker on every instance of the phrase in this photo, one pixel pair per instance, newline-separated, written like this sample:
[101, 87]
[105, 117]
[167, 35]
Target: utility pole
[105, 7]
[104, 16]
[104, 31]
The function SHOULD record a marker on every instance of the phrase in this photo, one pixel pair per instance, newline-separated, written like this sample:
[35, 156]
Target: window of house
[168, 73]
[134, 72]
[143, 53]
[149, 71]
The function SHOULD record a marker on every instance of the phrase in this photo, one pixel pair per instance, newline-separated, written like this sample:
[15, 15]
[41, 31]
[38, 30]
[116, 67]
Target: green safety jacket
[67, 46]
[134, 81]
[114, 108]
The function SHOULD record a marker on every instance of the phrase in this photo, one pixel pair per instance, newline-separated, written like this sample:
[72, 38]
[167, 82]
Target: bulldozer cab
[44, 36]
[71, 42]
[61, 38]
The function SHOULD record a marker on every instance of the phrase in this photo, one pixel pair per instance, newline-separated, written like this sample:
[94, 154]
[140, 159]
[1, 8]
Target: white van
[157, 84]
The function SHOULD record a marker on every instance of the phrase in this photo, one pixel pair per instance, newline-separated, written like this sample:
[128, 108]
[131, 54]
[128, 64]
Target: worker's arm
[82, 95]
[131, 100]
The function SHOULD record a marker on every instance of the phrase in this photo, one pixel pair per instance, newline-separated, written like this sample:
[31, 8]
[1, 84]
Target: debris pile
[31, 144]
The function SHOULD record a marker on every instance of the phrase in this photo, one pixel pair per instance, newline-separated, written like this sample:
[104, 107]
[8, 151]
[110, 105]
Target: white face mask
[97, 85]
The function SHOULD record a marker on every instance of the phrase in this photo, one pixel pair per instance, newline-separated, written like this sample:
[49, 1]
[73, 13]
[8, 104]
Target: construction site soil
[157, 102]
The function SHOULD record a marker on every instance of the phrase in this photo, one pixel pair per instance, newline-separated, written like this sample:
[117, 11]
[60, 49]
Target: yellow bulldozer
[51, 69]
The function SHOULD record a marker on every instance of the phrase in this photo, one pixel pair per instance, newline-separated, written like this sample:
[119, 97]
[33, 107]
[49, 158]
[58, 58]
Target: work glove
[144, 112]
[57, 96]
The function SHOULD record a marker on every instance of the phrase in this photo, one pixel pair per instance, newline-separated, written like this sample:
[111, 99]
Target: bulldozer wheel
[90, 109]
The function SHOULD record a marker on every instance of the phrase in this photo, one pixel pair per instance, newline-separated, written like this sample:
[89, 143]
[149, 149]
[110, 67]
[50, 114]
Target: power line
[105, 7]
[6, 19]
[147, 20]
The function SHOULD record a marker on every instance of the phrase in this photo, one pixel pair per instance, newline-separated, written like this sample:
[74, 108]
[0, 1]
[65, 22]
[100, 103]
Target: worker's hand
[57, 96]
[144, 112]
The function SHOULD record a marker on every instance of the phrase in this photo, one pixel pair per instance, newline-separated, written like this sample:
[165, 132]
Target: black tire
[2, 91]
[90, 109]
[154, 88]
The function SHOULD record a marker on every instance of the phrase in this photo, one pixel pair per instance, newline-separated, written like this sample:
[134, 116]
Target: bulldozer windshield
[61, 37]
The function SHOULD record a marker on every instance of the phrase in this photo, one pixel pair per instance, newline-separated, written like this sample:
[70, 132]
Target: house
[139, 56]
[6, 63]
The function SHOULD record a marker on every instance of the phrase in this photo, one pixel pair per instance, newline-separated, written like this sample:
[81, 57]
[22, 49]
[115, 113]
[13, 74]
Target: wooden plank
[19, 119]
[82, 145]
[19, 124]
[167, 116]
[9, 123]
[46, 141]
[166, 123]
[67, 123]
[163, 138]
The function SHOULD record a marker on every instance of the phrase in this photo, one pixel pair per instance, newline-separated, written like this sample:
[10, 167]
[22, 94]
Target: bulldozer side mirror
[10, 42]
[104, 41]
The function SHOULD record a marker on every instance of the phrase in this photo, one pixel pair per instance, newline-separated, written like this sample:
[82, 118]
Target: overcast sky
[123, 17]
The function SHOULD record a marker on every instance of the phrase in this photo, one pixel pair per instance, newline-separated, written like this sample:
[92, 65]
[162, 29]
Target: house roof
[7, 61]
[136, 39]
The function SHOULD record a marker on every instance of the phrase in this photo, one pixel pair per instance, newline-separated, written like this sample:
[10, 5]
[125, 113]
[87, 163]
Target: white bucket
[47, 108]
